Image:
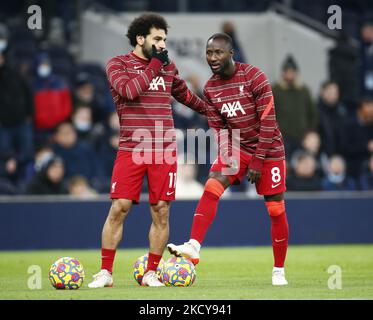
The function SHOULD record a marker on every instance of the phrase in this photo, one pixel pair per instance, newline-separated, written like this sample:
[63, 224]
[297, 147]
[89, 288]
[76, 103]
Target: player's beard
[147, 50]
[224, 68]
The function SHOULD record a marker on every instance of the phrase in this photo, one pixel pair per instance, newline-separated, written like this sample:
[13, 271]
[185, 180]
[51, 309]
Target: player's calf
[206, 209]
[280, 236]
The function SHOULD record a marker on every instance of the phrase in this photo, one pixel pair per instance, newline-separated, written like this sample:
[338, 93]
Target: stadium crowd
[59, 129]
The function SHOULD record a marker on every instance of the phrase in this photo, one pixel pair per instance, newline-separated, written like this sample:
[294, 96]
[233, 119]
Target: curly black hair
[141, 26]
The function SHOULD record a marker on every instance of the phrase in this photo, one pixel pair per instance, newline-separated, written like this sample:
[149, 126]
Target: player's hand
[162, 56]
[253, 176]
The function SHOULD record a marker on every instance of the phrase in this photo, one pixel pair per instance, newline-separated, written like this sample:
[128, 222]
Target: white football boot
[101, 280]
[278, 277]
[151, 279]
[188, 250]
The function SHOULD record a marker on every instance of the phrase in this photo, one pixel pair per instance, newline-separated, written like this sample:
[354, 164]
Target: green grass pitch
[223, 273]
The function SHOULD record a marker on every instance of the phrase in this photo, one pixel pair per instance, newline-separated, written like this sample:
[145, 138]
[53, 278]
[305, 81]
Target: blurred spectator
[366, 178]
[187, 187]
[344, 70]
[304, 176]
[107, 152]
[332, 114]
[52, 98]
[311, 143]
[336, 178]
[102, 129]
[16, 112]
[82, 121]
[295, 111]
[42, 154]
[367, 58]
[357, 137]
[111, 123]
[229, 29]
[79, 187]
[49, 180]
[85, 94]
[21, 47]
[4, 36]
[8, 174]
[79, 158]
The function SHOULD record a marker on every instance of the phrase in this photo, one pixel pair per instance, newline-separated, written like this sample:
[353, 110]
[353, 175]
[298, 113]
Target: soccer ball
[178, 272]
[140, 266]
[66, 273]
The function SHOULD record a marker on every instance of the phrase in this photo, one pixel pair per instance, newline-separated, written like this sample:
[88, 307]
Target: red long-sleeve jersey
[142, 93]
[245, 102]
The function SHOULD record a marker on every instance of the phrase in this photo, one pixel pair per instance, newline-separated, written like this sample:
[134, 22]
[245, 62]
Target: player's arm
[131, 88]
[182, 94]
[265, 109]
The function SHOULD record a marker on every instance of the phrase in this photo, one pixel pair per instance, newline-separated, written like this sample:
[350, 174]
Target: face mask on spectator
[82, 126]
[3, 45]
[44, 70]
[336, 177]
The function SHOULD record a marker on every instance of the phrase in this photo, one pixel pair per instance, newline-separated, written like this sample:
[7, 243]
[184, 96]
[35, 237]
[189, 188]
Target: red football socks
[205, 214]
[153, 262]
[107, 259]
[280, 236]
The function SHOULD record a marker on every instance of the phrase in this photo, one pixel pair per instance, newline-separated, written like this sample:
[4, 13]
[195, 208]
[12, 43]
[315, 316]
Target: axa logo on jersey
[156, 82]
[231, 109]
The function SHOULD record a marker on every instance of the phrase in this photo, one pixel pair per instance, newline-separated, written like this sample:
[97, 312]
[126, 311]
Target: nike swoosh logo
[137, 67]
[198, 214]
[169, 193]
[217, 95]
[276, 240]
[275, 185]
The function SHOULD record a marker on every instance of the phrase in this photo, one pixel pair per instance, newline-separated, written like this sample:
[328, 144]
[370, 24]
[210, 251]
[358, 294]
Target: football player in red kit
[240, 100]
[142, 83]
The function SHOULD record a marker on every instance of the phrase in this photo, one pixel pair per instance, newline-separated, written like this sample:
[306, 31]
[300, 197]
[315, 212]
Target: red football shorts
[129, 171]
[273, 175]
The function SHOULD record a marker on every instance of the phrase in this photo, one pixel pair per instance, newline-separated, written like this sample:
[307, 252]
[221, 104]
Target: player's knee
[161, 212]
[122, 205]
[215, 187]
[161, 207]
[119, 210]
[275, 208]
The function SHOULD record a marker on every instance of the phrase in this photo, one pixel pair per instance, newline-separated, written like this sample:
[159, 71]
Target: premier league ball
[140, 266]
[178, 272]
[66, 273]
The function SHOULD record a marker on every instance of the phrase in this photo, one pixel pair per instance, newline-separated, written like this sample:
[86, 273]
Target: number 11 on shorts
[172, 182]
